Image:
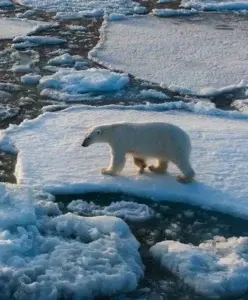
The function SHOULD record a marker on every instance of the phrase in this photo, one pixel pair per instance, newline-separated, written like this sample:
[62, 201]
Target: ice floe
[219, 156]
[216, 268]
[12, 27]
[241, 105]
[64, 59]
[69, 82]
[47, 255]
[23, 42]
[204, 63]
[168, 12]
[127, 210]
[68, 9]
[31, 79]
[216, 5]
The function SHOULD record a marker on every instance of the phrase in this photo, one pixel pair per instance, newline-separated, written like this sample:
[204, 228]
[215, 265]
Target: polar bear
[162, 141]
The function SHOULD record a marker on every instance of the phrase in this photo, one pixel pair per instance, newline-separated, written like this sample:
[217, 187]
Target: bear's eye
[98, 131]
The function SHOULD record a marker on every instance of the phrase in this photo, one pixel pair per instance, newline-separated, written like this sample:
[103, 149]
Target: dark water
[187, 224]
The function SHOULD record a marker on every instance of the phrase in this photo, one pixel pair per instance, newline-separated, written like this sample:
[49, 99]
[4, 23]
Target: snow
[22, 68]
[94, 13]
[216, 5]
[22, 42]
[77, 28]
[45, 255]
[73, 8]
[12, 27]
[216, 268]
[127, 210]
[64, 59]
[71, 82]
[241, 105]
[174, 57]
[31, 79]
[219, 155]
[150, 93]
[168, 12]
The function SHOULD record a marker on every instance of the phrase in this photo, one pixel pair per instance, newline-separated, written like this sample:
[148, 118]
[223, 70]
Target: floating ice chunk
[5, 3]
[44, 27]
[153, 94]
[10, 87]
[22, 68]
[127, 210]
[77, 169]
[175, 57]
[94, 13]
[54, 107]
[241, 105]
[12, 27]
[74, 82]
[140, 10]
[216, 5]
[64, 59]
[164, 1]
[168, 12]
[77, 28]
[116, 17]
[22, 42]
[41, 259]
[31, 79]
[216, 268]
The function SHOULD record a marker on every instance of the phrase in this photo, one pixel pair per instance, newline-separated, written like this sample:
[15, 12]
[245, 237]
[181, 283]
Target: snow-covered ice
[64, 59]
[216, 268]
[216, 5]
[47, 255]
[168, 12]
[150, 93]
[127, 210]
[73, 83]
[23, 42]
[241, 105]
[5, 3]
[204, 63]
[31, 79]
[73, 8]
[12, 27]
[219, 155]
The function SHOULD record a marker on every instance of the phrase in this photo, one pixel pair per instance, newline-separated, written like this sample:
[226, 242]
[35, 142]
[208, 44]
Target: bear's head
[94, 135]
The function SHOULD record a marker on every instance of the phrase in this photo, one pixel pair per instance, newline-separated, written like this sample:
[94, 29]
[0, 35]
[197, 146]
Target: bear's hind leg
[188, 173]
[117, 163]
[141, 163]
[160, 168]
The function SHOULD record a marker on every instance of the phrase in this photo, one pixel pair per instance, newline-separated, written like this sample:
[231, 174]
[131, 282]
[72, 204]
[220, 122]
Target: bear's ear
[98, 131]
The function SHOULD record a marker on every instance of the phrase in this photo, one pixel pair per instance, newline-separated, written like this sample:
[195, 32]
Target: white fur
[163, 141]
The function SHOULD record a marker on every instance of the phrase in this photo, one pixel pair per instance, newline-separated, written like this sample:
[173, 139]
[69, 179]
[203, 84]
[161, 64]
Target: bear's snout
[85, 142]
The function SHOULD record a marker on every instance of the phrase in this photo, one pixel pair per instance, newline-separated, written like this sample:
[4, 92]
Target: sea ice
[219, 155]
[72, 82]
[12, 27]
[45, 255]
[31, 79]
[216, 5]
[64, 59]
[241, 105]
[216, 268]
[127, 210]
[73, 8]
[23, 42]
[168, 12]
[204, 63]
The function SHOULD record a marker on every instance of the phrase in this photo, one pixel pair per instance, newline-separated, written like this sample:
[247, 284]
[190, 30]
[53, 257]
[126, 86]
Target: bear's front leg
[116, 165]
